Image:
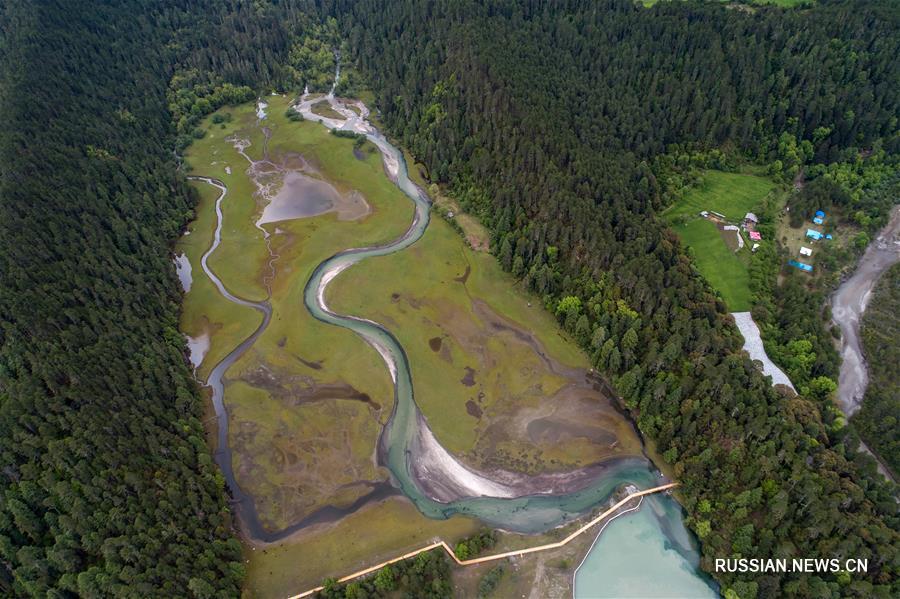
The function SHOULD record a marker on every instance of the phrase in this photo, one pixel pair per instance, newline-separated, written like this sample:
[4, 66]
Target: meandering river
[406, 442]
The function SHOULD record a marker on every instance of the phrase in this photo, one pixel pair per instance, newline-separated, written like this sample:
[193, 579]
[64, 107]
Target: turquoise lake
[644, 554]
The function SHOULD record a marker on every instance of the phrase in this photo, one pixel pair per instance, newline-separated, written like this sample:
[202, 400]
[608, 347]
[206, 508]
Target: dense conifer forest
[108, 485]
[564, 126]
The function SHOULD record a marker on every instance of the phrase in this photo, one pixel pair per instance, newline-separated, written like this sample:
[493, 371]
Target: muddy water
[183, 269]
[300, 196]
[848, 304]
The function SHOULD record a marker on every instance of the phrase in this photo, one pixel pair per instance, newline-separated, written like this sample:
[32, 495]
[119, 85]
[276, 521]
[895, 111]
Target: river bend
[406, 446]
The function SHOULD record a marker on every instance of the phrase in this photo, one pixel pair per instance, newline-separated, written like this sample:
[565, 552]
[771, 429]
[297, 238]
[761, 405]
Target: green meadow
[498, 381]
[492, 372]
[731, 194]
[726, 271]
[301, 441]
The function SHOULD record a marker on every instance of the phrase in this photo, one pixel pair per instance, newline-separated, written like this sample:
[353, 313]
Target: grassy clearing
[479, 387]
[372, 535]
[731, 194]
[725, 270]
[825, 253]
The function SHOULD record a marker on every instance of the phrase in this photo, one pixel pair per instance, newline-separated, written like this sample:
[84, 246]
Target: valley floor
[501, 387]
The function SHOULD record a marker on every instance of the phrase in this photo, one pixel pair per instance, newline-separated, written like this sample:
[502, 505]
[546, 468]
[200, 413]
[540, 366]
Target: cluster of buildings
[812, 235]
[750, 223]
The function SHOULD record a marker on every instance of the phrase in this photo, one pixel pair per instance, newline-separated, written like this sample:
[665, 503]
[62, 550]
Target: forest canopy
[564, 126]
[108, 487]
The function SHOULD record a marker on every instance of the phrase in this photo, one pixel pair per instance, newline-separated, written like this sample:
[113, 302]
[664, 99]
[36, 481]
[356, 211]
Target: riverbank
[848, 304]
[634, 494]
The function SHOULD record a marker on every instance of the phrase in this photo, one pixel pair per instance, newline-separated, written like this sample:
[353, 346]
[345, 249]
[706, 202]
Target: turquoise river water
[648, 544]
[660, 547]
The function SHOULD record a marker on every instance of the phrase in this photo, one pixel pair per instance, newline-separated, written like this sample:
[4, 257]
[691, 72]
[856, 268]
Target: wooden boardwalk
[498, 556]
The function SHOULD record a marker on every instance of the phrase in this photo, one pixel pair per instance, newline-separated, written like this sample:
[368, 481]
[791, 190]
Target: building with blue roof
[801, 266]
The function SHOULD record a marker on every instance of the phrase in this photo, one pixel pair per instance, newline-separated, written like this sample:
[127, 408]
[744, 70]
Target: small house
[801, 266]
[755, 247]
[750, 221]
[813, 234]
[755, 236]
[805, 251]
[819, 217]
[704, 214]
